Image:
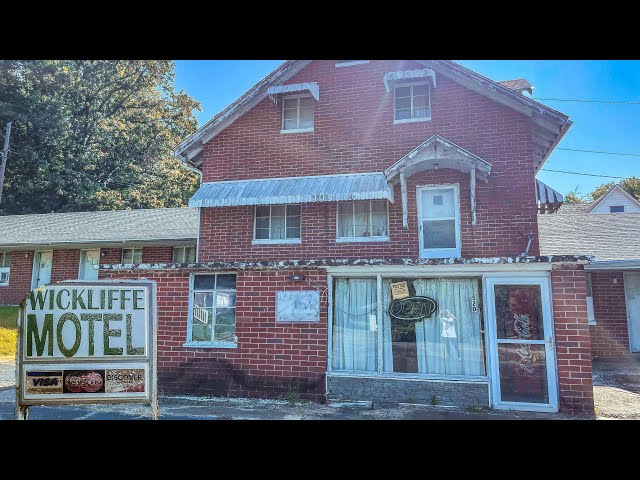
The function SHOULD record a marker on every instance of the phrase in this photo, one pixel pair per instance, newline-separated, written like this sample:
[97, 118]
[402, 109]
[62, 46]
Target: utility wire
[588, 101]
[599, 152]
[580, 173]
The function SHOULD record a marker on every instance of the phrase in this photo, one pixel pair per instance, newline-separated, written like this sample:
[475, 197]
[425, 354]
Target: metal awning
[391, 77]
[311, 87]
[277, 191]
[547, 199]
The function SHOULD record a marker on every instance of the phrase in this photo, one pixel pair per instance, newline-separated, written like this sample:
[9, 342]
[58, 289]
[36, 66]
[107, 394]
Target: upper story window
[616, 209]
[439, 221]
[184, 254]
[297, 113]
[363, 220]
[277, 224]
[212, 319]
[348, 63]
[132, 256]
[5, 264]
[412, 102]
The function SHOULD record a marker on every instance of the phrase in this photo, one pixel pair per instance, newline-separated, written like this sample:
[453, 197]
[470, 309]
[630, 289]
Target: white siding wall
[616, 197]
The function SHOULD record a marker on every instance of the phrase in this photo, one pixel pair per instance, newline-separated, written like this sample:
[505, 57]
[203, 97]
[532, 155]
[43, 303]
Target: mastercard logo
[89, 382]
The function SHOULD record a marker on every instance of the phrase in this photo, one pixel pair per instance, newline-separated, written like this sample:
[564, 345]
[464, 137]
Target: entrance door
[632, 293]
[520, 334]
[88, 259]
[42, 262]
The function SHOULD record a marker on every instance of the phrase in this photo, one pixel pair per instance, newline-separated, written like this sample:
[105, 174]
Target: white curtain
[355, 335]
[450, 342]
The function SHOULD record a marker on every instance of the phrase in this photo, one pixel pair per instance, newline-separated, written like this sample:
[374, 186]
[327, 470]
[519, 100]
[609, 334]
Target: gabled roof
[100, 228]
[549, 124]
[574, 231]
[617, 189]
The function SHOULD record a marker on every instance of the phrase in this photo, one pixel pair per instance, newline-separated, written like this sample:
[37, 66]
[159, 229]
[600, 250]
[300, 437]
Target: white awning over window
[311, 87]
[277, 191]
[391, 77]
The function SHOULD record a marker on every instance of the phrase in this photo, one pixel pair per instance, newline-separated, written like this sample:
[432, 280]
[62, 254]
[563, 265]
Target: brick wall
[354, 132]
[271, 359]
[65, 267]
[19, 278]
[573, 344]
[610, 335]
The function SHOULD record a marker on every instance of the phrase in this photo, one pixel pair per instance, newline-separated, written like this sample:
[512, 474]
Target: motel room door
[521, 343]
[632, 294]
[41, 268]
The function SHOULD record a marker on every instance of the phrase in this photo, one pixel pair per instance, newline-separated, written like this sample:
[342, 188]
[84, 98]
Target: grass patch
[9, 317]
[8, 341]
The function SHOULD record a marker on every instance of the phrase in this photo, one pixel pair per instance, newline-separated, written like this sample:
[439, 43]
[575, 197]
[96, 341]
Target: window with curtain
[132, 256]
[5, 264]
[363, 219]
[277, 224]
[412, 103]
[450, 342]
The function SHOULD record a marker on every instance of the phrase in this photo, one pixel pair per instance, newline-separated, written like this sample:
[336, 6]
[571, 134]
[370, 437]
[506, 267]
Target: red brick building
[368, 231]
[40, 249]
[606, 229]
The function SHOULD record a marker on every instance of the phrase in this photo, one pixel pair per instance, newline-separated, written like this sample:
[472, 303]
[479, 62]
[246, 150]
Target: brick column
[573, 343]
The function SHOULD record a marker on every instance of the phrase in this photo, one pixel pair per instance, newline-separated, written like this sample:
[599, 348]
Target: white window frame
[132, 255]
[196, 344]
[297, 130]
[440, 252]
[379, 238]
[611, 207]
[591, 316]
[83, 258]
[351, 63]
[276, 241]
[6, 270]
[411, 84]
[184, 253]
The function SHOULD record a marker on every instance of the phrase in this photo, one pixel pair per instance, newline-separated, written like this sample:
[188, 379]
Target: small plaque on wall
[298, 306]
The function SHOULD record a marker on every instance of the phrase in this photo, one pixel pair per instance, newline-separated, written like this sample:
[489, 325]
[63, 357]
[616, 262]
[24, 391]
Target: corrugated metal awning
[311, 87]
[547, 198]
[274, 191]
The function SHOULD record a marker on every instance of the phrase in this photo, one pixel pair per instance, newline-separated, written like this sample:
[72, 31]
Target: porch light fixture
[296, 278]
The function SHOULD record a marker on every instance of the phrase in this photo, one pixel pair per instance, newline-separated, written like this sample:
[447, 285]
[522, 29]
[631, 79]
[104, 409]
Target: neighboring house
[39, 249]
[608, 229]
[326, 187]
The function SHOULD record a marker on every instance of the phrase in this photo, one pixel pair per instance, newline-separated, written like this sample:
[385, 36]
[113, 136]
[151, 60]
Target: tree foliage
[631, 185]
[93, 135]
[574, 196]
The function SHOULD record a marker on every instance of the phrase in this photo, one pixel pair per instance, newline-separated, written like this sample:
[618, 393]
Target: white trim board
[442, 270]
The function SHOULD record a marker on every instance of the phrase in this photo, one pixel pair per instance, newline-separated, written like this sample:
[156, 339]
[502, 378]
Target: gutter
[614, 265]
[193, 169]
[98, 243]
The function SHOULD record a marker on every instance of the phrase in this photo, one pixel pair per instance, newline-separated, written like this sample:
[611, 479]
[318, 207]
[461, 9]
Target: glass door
[523, 366]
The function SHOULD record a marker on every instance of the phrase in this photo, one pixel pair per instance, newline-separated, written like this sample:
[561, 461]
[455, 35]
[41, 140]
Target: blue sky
[601, 127]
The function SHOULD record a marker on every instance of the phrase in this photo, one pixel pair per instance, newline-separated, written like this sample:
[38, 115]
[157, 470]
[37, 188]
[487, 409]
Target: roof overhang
[614, 265]
[438, 152]
[280, 191]
[162, 242]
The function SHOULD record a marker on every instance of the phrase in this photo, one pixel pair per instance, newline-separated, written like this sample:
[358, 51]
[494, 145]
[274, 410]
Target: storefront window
[449, 342]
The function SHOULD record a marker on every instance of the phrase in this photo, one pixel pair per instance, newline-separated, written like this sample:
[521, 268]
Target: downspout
[199, 172]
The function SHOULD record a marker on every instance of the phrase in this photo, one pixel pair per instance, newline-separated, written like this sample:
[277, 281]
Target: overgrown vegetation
[8, 330]
[9, 317]
[93, 135]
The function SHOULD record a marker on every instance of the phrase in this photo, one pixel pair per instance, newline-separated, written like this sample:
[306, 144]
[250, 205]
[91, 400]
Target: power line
[614, 102]
[579, 173]
[599, 152]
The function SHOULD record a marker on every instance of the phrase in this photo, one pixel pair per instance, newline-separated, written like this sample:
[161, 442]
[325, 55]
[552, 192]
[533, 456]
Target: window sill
[297, 130]
[291, 241]
[348, 64]
[592, 323]
[210, 345]
[361, 239]
[4, 284]
[412, 120]
[425, 377]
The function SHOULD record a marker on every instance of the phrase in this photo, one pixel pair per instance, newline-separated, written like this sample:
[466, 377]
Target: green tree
[631, 185]
[574, 196]
[94, 135]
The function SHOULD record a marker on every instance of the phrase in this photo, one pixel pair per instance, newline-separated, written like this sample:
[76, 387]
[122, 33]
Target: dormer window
[297, 113]
[412, 102]
[616, 209]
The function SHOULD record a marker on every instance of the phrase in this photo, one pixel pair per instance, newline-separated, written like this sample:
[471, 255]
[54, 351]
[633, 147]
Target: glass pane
[262, 222]
[290, 124]
[204, 300]
[201, 327]
[419, 101]
[361, 219]
[345, 225]
[191, 255]
[293, 222]
[379, 206]
[204, 282]
[379, 226]
[293, 232]
[403, 92]
[421, 112]
[278, 210]
[227, 282]
[355, 325]
[519, 312]
[7, 260]
[262, 211]
[420, 89]
[277, 228]
[345, 208]
[523, 373]
[262, 234]
[225, 299]
[290, 103]
[403, 103]
[178, 255]
[293, 210]
[438, 203]
[306, 118]
[127, 256]
[225, 325]
[439, 234]
[137, 256]
[307, 103]
[403, 114]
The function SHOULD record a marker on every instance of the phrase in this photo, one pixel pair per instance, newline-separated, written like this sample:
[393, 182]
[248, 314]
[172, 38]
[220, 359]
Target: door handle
[550, 342]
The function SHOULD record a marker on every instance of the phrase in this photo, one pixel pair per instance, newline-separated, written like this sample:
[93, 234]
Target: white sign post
[87, 342]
